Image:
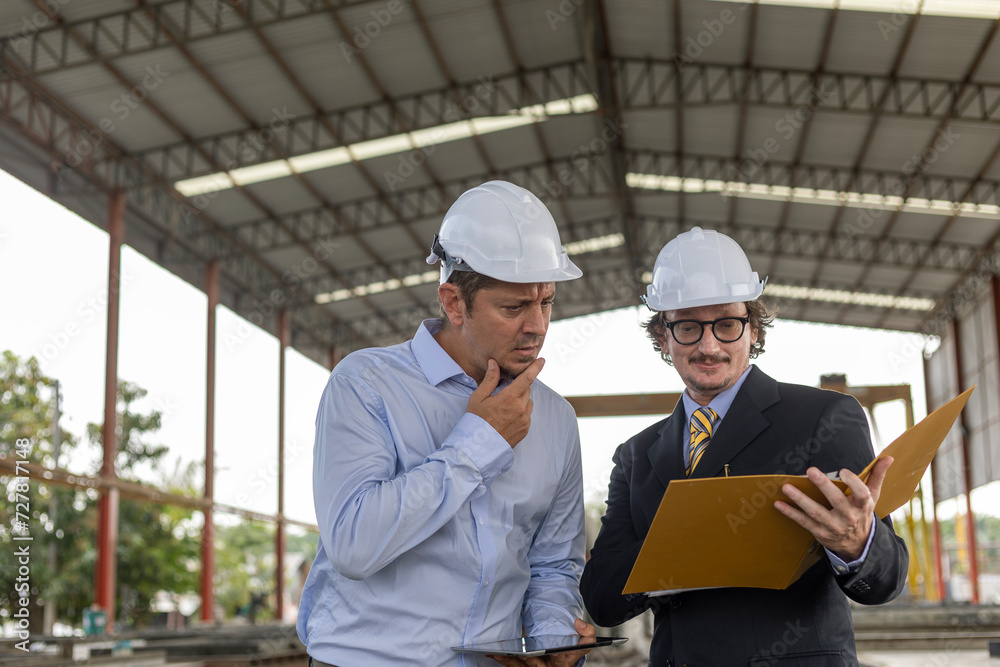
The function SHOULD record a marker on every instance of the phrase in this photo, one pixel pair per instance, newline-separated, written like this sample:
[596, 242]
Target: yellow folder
[724, 531]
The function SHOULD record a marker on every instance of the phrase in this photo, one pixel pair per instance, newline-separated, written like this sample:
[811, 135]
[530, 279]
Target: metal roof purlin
[741, 123]
[800, 148]
[542, 145]
[115, 34]
[453, 87]
[935, 97]
[924, 161]
[679, 110]
[109, 147]
[863, 150]
[599, 56]
[988, 248]
[208, 157]
[258, 32]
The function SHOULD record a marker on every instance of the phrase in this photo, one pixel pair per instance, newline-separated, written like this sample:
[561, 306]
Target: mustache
[709, 358]
[529, 341]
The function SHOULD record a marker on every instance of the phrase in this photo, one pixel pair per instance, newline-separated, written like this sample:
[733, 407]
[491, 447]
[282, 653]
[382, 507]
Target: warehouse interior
[292, 159]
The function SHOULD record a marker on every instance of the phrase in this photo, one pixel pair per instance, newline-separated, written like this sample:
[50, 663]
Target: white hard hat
[701, 267]
[502, 231]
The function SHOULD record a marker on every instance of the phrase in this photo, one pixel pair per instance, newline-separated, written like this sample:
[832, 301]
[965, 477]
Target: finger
[522, 383]
[877, 476]
[805, 506]
[490, 381]
[795, 514]
[839, 501]
[587, 631]
[860, 494]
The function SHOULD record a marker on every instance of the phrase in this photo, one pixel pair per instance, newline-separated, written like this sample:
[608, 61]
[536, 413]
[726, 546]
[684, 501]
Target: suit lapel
[666, 454]
[743, 422]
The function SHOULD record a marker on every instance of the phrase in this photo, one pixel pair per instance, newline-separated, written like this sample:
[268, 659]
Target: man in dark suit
[733, 419]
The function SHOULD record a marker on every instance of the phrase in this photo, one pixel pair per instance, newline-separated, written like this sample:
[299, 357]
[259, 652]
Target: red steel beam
[107, 522]
[208, 529]
[136, 491]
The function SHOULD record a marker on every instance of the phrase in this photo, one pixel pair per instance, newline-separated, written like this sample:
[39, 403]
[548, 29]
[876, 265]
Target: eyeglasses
[725, 329]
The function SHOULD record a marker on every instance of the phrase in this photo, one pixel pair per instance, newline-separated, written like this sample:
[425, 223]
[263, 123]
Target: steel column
[107, 521]
[208, 529]
[938, 570]
[336, 353]
[284, 341]
[967, 472]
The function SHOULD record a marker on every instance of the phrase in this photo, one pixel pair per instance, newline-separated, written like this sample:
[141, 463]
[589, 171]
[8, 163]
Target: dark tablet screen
[540, 645]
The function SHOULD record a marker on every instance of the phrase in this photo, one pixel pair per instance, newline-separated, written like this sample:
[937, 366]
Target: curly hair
[761, 319]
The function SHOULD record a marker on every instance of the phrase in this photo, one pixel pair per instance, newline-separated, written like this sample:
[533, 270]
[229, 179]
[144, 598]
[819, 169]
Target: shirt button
[487, 582]
[481, 522]
[841, 569]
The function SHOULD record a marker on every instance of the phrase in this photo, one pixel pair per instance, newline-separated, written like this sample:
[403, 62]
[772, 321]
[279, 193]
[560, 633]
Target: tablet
[527, 647]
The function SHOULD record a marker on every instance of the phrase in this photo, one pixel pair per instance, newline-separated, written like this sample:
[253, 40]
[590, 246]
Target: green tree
[158, 545]
[27, 420]
[245, 562]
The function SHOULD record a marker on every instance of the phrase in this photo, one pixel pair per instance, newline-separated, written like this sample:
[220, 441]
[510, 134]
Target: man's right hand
[509, 412]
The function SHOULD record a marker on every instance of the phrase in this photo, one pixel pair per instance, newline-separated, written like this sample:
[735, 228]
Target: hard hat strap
[439, 253]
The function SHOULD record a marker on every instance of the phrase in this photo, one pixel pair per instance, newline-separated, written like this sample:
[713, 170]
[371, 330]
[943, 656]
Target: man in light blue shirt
[446, 479]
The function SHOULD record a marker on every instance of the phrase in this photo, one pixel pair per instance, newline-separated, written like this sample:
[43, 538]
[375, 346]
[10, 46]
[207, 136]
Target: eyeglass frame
[745, 320]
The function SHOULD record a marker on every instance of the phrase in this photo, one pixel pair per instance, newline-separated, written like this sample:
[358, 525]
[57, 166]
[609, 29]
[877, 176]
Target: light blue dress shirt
[433, 531]
[721, 403]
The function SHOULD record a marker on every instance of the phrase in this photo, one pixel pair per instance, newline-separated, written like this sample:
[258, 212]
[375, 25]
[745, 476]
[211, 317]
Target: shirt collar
[721, 401]
[436, 364]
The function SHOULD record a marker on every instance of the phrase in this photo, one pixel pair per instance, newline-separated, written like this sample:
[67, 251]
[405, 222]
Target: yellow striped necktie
[702, 422]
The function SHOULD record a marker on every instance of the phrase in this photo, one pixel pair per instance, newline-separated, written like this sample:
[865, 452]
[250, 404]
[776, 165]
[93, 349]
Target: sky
[53, 265]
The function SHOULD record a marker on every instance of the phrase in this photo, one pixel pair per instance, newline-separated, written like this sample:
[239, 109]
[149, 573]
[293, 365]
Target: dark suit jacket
[770, 428]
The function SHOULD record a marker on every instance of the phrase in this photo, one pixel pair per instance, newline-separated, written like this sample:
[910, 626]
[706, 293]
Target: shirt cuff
[474, 436]
[842, 567]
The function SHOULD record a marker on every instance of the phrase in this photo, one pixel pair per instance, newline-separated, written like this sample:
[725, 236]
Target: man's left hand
[587, 634]
[844, 528]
